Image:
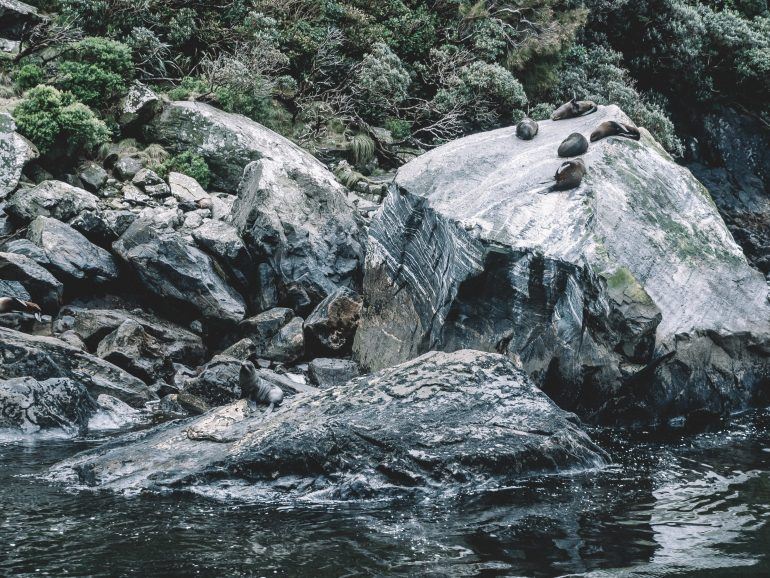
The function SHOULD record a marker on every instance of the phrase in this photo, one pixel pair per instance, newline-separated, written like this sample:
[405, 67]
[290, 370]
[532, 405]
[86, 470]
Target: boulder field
[626, 299]
[441, 345]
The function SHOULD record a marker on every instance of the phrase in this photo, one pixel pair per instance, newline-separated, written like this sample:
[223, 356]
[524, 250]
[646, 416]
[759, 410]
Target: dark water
[696, 506]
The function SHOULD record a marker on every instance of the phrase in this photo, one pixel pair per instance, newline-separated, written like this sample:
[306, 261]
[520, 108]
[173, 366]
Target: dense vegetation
[332, 74]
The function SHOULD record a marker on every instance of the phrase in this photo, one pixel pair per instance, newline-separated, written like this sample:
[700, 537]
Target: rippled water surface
[697, 506]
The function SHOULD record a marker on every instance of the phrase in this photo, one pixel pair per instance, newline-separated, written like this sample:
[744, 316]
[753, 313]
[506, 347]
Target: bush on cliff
[57, 124]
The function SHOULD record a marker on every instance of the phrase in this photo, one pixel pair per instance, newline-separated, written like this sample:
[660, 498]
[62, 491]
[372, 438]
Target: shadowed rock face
[444, 421]
[626, 298]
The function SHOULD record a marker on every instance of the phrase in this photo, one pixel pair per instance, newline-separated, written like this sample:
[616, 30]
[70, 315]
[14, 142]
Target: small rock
[51, 199]
[93, 177]
[241, 350]
[325, 372]
[330, 328]
[126, 167]
[131, 348]
[186, 189]
[193, 404]
[139, 105]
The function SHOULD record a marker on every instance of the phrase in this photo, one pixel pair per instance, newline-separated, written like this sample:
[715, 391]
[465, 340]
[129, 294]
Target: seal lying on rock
[8, 304]
[569, 175]
[256, 389]
[574, 108]
[527, 129]
[574, 145]
[615, 128]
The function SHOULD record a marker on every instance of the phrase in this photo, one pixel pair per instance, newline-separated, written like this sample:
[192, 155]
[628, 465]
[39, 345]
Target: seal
[615, 128]
[256, 389]
[527, 129]
[574, 108]
[574, 145]
[569, 175]
[8, 304]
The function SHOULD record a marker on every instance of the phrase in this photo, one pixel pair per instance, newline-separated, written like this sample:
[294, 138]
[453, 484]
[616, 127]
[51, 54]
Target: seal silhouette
[572, 146]
[527, 129]
[256, 389]
[574, 108]
[569, 175]
[615, 128]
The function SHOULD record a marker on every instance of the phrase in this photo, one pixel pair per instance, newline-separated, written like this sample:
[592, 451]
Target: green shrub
[97, 71]
[381, 83]
[28, 76]
[191, 164]
[485, 94]
[57, 124]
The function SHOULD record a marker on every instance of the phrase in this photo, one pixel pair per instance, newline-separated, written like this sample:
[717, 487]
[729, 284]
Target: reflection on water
[694, 506]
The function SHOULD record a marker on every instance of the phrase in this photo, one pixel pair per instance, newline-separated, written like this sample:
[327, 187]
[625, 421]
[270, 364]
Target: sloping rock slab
[29, 406]
[448, 422]
[627, 299]
[23, 355]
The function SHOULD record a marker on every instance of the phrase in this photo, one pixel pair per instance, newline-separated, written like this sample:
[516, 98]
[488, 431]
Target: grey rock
[113, 414]
[218, 382]
[9, 46]
[93, 177]
[626, 298]
[173, 270]
[29, 406]
[221, 241]
[23, 355]
[192, 404]
[43, 288]
[332, 325]
[303, 227]
[126, 167]
[95, 226]
[135, 196]
[736, 170]
[139, 105]
[170, 406]
[28, 249]
[444, 422]
[131, 348]
[15, 17]
[118, 221]
[15, 152]
[70, 254]
[51, 199]
[241, 350]
[186, 189]
[326, 373]
[276, 334]
[93, 325]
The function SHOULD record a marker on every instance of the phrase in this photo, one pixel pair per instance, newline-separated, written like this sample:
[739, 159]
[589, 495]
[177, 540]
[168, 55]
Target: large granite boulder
[29, 406]
[626, 299]
[15, 152]
[51, 199]
[70, 255]
[302, 225]
[465, 420]
[178, 272]
[23, 355]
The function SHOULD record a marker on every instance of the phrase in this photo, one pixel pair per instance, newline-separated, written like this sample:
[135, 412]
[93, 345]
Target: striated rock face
[626, 298]
[443, 421]
[23, 355]
[15, 152]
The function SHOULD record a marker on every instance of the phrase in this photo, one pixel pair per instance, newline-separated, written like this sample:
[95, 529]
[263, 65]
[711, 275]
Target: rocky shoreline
[415, 347]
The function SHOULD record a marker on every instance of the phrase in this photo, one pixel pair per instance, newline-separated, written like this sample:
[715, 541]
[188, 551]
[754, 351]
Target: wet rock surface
[626, 298]
[460, 420]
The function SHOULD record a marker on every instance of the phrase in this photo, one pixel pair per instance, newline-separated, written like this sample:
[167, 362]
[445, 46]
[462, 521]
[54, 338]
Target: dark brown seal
[569, 175]
[256, 389]
[8, 304]
[574, 108]
[527, 129]
[615, 128]
[574, 145]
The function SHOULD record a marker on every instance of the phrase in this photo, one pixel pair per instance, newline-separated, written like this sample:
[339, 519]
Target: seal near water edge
[256, 389]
